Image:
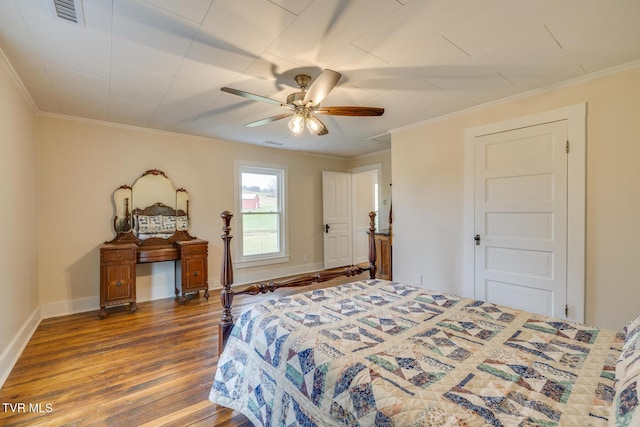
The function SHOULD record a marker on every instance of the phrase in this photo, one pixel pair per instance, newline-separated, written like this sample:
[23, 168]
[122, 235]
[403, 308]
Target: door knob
[477, 239]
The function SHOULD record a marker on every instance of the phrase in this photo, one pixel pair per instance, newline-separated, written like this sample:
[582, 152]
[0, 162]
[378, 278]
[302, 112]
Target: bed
[381, 353]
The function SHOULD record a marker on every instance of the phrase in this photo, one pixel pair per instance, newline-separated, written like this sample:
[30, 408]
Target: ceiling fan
[304, 105]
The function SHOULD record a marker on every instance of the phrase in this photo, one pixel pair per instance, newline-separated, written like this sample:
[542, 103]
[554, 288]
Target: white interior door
[336, 214]
[521, 218]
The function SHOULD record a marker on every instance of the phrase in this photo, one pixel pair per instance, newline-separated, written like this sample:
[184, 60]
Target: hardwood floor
[150, 368]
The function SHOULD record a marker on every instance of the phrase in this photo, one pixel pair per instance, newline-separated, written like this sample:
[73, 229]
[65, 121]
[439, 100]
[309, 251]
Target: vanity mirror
[151, 208]
[152, 224]
[122, 202]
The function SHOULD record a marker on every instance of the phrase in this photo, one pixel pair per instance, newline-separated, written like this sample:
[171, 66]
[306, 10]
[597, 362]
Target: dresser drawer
[117, 255]
[194, 249]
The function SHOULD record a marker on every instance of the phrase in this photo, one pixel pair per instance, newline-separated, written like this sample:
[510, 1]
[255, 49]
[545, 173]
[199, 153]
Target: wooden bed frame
[226, 277]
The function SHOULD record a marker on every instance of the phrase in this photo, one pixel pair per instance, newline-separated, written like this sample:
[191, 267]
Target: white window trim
[241, 261]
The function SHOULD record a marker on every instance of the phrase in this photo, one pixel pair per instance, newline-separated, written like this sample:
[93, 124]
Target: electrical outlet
[418, 279]
[304, 258]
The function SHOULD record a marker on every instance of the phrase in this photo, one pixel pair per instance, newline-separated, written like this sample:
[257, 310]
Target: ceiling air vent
[69, 10]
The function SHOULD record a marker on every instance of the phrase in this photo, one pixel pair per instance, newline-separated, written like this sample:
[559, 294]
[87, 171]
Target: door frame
[377, 168]
[576, 199]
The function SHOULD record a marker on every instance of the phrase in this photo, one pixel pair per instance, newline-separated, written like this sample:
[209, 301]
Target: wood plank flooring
[150, 368]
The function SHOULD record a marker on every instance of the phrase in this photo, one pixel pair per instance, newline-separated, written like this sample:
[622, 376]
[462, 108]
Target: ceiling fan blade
[351, 111]
[268, 120]
[254, 97]
[321, 86]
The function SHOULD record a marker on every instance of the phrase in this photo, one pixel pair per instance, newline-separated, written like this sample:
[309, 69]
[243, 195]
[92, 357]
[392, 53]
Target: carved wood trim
[226, 280]
[125, 237]
[156, 209]
[304, 280]
[155, 172]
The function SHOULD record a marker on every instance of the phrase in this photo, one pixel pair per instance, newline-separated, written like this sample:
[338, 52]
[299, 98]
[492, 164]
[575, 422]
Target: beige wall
[19, 214]
[428, 193]
[81, 163]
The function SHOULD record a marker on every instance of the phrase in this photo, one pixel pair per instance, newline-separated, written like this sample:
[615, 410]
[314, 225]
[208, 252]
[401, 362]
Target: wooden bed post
[226, 277]
[226, 280]
[372, 245]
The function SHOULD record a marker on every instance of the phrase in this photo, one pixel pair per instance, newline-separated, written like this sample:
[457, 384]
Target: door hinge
[567, 147]
[566, 310]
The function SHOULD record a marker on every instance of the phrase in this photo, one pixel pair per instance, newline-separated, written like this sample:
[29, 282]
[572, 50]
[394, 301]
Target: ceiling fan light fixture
[305, 103]
[296, 124]
[313, 124]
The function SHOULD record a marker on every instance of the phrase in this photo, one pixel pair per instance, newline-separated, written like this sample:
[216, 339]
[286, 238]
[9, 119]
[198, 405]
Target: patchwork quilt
[381, 353]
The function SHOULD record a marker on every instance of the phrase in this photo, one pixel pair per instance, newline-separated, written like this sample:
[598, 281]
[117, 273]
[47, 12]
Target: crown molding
[181, 135]
[18, 81]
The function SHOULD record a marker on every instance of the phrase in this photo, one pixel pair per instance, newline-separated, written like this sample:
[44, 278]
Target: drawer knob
[195, 274]
[118, 283]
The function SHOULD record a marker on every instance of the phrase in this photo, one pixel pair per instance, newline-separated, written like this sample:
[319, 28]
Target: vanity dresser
[152, 225]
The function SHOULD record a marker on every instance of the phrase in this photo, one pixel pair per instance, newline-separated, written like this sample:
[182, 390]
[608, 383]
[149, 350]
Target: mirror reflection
[152, 207]
[122, 200]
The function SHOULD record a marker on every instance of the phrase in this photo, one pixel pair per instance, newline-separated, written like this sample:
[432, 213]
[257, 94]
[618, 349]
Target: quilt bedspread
[380, 353]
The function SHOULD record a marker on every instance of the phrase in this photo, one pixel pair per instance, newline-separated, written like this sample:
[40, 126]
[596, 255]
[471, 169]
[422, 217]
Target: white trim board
[576, 118]
[12, 352]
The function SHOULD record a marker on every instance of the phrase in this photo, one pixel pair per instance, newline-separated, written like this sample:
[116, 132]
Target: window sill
[259, 262]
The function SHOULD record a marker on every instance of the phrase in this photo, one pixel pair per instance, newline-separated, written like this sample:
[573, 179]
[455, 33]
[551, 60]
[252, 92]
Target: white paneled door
[336, 213]
[521, 218]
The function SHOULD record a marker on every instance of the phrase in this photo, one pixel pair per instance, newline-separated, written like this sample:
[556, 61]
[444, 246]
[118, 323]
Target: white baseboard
[13, 351]
[82, 305]
[161, 290]
[63, 308]
[15, 348]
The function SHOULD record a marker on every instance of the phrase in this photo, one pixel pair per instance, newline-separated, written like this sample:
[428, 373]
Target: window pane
[260, 234]
[261, 205]
[259, 192]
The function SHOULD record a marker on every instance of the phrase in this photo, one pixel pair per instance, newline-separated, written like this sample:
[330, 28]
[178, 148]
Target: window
[262, 224]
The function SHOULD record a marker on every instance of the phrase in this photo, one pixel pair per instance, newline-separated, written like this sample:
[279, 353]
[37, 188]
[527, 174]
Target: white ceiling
[161, 63]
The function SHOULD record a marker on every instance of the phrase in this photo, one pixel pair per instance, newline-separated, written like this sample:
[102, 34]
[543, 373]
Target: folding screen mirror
[122, 200]
[152, 208]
